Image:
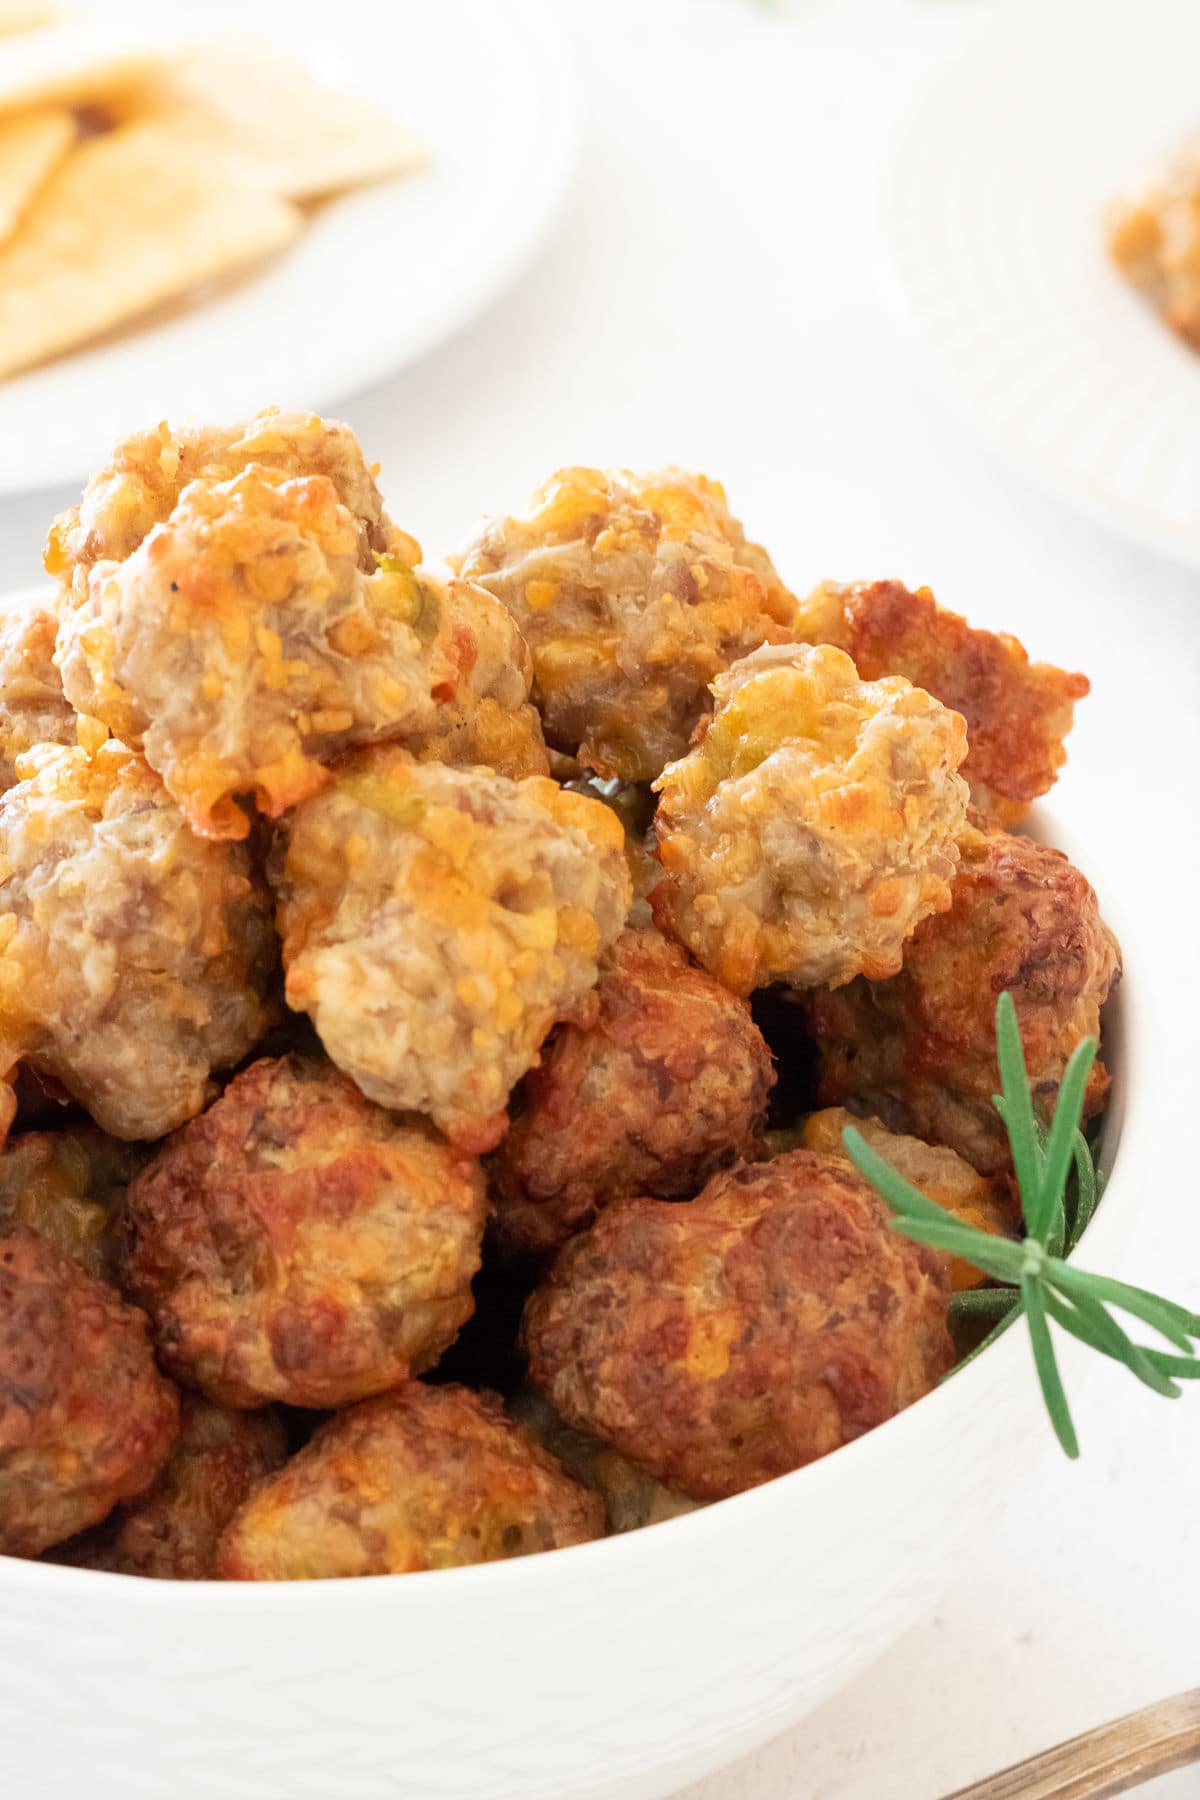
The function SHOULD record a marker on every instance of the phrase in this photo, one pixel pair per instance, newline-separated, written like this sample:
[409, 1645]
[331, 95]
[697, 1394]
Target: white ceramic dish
[994, 221]
[615, 1671]
[380, 276]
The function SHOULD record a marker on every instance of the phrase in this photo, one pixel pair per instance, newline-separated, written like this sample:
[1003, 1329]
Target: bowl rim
[1127, 1145]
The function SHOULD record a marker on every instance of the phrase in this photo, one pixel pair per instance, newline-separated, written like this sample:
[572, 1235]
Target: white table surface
[712, 298]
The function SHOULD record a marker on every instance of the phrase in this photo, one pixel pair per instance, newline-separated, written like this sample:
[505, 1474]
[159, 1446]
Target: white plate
[994, 219]
[381, 275]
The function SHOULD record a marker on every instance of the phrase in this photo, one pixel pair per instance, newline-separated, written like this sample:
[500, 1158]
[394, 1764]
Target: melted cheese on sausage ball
[148, 471]
[633, 593]
[241, 646]
[436, 924]
[1017, 712]
[815, 824]
[136, 956]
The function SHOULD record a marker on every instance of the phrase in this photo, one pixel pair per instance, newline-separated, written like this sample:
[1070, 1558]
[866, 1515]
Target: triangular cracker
[129, 220]
[73, 65]
[293, 136]
[31, 144]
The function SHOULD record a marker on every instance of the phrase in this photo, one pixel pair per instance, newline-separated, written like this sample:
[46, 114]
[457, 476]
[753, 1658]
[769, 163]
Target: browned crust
[298, 1243]
[668, 1084]
[1017, 712]
[920, 1049]
[171, 1532]
[86, 1420]
[726, 1341]
[423, 1478]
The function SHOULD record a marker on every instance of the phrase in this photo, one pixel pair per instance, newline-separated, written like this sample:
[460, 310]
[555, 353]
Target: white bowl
[623, 1668]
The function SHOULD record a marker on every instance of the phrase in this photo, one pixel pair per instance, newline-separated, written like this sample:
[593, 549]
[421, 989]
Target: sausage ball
[437, 923]
[136, 957]
[171, 1532]
[86, 1420]
[815, 825]
[631, 1497]
[1017, 712]
[423, 1478]
[987, 1203]
[490, 722]
[66, 1186]
[920, 1049]
[633, 592]
[723, 1342]
[488, 735]
[33, 708]
[241, 646]
[668, 1084]
[1154, 239]
[148, 472]
[298, 1243]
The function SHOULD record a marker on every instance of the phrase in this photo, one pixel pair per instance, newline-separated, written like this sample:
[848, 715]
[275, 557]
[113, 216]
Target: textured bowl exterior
[619, 1669]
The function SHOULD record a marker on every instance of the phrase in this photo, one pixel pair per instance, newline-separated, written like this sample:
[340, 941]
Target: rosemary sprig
[1059, 1190]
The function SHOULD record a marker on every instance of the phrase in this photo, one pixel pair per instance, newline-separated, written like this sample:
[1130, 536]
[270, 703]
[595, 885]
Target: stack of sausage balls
[393, 971]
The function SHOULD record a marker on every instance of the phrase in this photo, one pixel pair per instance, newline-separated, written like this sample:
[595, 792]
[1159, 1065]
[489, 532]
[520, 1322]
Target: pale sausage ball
[633, 592]
[815, 825]
[242, 647]
[437, 923]
[137, 958]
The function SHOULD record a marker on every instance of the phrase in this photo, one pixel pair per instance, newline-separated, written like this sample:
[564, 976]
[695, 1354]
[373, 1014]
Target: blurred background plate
[381, 275]
[994, 217]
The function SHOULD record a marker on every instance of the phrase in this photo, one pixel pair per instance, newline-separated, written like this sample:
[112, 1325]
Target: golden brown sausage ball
[920, 1049]
[633, 593]
[136, 957]
[86, 1420]
[436, 924]
[242, 646]
[148, 472]
[945, 1177]
[170, 1533]
[298, 1243]
[666, 1085]
[33, 708]
[423, 1478]
[814, 826]
[631, 1497]
[66, 1186]
[1154, 239]
[1017, 712]
[727, 1340]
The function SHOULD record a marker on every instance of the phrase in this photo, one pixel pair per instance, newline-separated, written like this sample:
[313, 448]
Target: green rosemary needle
[1059, 1190]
